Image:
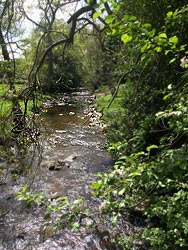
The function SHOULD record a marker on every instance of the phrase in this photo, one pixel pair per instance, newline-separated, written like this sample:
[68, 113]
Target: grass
[6, 103]
[5, 94]
[6, 106]
[103, 89]
[4, 88]
[103, 100]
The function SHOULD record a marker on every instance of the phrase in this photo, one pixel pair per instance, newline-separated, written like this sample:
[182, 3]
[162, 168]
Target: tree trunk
[5, 52]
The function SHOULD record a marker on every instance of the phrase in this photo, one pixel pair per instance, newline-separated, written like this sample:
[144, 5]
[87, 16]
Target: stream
[72, 154]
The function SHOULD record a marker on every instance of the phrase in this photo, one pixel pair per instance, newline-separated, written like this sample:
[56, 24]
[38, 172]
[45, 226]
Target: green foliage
[60, 210]
[70, 66]
[7, 95]
[103, 101]
[147, 122]
[150, 136]
[144, 51]
[68, 69]
[159, 186]
[6, 69]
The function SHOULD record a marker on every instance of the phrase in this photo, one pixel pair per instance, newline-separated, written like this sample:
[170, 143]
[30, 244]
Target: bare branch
[96, 27]
[31, 20]
[74, 17]
[120, 81]
[47, 51]
[109, 11]
[82, 10]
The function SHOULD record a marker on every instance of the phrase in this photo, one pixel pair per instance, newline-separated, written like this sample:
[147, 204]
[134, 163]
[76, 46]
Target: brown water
[72, 154]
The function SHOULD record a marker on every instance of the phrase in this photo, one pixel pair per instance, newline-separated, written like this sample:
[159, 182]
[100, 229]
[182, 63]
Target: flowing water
[72, 154]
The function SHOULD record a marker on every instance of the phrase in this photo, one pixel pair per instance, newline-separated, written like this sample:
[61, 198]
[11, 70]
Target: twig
[119, 82]
[144, 198]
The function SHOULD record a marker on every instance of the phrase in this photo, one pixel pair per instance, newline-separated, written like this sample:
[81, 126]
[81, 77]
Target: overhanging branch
[74, 17]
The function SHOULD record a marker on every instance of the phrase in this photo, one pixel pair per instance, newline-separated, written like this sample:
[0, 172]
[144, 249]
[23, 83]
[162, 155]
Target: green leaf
[126, 18]
[158, 49]
[132, 18]
[169, 14]
[24, 189]
[125, 38]
[147, 25]
[79, 201]
[95, 185]
[62, 199]
[115, 32]
[173, 40]
[172, 60]
[167, 51]
[20, 197]
[151, 147]
[160, 114]
[109, 19]
[145, 47]
[167, 96]
[163, 35]
[114, 220]
[96, 15]
[122, 191]
[75, 226]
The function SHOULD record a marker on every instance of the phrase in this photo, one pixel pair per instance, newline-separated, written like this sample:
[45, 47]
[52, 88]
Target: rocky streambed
[70, 155]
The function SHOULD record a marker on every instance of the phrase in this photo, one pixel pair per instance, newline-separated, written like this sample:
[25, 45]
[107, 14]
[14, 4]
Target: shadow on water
[72, 155]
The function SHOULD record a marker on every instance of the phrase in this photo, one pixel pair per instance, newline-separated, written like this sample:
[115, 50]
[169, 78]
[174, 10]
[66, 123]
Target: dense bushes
[153, 180]
[150, 135]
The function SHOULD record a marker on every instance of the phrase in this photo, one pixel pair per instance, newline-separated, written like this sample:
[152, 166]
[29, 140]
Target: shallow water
[71, 156]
